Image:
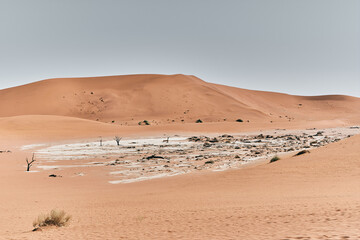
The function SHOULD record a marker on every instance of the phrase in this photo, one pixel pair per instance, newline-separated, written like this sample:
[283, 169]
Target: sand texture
[191, 187]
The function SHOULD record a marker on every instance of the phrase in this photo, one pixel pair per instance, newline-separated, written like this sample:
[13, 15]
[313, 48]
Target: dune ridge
[165, 99]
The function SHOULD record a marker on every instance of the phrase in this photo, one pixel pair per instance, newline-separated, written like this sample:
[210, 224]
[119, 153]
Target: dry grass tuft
[56, 218]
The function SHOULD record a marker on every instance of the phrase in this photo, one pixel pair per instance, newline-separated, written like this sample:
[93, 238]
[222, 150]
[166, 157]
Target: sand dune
[296, 108]
[123, 98]
[312, 196]
[163, 99]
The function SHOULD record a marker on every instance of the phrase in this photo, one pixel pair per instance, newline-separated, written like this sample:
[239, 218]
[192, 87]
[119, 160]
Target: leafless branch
[29, 164]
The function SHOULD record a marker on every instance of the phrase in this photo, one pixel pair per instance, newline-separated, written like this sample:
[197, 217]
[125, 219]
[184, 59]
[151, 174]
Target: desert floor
[312, 196]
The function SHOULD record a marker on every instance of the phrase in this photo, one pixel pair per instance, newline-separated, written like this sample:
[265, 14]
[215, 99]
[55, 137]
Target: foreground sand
[314, 196]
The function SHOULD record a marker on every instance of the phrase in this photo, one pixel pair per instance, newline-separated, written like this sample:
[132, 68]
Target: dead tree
[100, 141]
[29, 164]
[117, 139]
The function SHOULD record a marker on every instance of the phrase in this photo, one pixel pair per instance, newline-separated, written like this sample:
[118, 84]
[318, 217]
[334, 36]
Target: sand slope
[136, 97]
[313, 196]
[50, 128]
[166, 99]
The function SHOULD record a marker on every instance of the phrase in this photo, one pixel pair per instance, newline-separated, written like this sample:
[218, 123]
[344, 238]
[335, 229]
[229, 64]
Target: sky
[302, 47]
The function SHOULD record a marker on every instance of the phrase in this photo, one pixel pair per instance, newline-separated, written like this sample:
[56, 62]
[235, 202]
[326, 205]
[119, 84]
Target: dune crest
[164, 99]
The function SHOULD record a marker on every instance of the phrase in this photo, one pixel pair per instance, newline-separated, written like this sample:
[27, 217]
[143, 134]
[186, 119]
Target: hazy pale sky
[305, 47]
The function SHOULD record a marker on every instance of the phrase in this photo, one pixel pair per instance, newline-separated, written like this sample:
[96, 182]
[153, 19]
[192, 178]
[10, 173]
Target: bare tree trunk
[117, 139]
[29, 164]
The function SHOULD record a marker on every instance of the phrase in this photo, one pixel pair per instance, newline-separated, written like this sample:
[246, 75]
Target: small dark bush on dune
[146, 122]
[274, 159]
[199, 121]
[239, 120]
[302, 152]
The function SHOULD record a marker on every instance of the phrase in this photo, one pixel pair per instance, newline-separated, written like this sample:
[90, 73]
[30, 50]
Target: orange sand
[313, 196]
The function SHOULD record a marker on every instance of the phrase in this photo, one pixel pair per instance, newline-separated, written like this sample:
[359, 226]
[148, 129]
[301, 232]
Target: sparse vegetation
[239, 120]
[199, 121]
[117, 139]
[29, 164]
[146, 122]
[274, 159]
[56, 218]
[319, 133]
[167, 140]
[302, 152]
[54, 175]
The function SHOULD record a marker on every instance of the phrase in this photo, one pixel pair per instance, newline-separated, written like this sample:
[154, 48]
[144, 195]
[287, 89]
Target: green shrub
[239, 120]
[199, 121]
[274, 159]
[146, 122]
[302, 152]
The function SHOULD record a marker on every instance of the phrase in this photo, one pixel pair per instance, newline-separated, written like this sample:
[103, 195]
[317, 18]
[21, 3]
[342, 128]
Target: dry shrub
[56, 218]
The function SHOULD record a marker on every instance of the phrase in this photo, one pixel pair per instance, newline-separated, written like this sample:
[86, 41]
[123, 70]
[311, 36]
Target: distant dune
[163, 99]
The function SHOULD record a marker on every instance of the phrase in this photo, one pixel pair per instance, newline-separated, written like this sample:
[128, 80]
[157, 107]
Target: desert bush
[302, 152]
[274, 159]
[199, 121]
[56, 218]
[239, 120]
[146, 122]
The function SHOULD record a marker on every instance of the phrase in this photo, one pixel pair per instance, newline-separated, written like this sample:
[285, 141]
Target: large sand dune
[163, 99]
